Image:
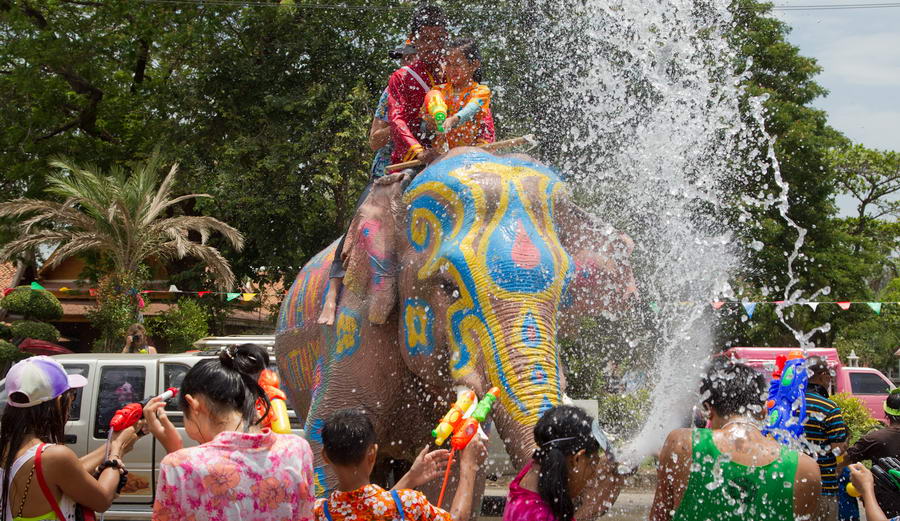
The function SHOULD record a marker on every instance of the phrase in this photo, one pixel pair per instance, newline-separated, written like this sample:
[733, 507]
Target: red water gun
[131, 413]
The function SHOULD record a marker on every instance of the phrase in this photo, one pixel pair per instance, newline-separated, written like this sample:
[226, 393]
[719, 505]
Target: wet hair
[817, 366]
[562, 431]
[46, 421]
[469, 49]
[138, 331]
[731, 388]
[427, 15]
[893, 401]
[347, 436]
[229, 383]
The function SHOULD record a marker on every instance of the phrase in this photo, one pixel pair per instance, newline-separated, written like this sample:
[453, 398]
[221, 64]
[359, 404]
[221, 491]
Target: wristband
[123, 472]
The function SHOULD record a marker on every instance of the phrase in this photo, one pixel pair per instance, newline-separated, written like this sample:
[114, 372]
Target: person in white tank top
[42, 479]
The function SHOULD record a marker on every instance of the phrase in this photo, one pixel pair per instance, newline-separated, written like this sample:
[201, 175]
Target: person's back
[732, 471]
[883, 443]
[752, 479]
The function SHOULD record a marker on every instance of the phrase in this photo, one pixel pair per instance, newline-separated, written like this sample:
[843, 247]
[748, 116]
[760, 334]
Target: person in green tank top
[732, 472]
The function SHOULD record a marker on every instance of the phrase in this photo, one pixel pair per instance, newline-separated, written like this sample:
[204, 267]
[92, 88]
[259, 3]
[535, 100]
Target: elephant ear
[370, 251]
[603, 278]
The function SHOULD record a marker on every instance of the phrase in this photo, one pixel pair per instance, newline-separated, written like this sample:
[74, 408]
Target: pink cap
[40, 379]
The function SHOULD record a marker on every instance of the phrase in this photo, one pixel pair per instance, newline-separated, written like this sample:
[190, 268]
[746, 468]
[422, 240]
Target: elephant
[461, 277]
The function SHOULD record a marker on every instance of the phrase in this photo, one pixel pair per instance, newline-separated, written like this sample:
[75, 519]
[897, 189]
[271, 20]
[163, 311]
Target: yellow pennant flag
[247, 297]
[63, 289]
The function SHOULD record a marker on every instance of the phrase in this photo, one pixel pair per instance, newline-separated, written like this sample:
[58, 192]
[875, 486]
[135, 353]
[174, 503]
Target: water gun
[454, 417]
[469, 427]
[277, 419]
[436, 107]
[886, 472]
[787, 399]
[131, 413]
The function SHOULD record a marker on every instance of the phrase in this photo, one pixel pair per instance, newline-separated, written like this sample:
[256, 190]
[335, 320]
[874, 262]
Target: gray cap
[401, 51]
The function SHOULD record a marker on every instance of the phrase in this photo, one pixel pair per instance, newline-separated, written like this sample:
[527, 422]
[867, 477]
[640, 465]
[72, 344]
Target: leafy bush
[623, 415]
[10, 353]
[5, 332]
[35, 330]
[117, 298]
[856, 415]
[33, 304]
[180, 325]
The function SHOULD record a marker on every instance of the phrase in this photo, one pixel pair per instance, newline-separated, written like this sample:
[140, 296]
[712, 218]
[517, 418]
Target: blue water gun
[787, 399]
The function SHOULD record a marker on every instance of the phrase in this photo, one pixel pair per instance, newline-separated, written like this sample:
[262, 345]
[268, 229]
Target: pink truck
[865, 383]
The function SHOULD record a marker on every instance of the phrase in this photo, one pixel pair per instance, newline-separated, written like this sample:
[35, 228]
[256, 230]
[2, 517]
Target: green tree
[872, 178]
[180, 326]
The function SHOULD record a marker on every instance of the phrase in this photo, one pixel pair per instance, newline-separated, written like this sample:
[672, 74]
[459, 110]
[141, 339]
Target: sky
[859, 51]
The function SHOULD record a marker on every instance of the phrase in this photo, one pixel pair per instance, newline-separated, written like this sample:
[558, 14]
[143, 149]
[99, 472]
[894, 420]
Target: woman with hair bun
[571, 449]
[239, 470]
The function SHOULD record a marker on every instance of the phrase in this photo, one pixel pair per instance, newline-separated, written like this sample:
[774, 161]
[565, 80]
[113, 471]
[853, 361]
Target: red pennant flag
[7, 291]
[141, 302]
[202, 293]
[779, 302]
[93, 292]
[844, 305]
[716, 304]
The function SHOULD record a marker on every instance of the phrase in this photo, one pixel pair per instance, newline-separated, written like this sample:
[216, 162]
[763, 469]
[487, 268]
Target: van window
[173, 375]
[868, 383]
[119, 386]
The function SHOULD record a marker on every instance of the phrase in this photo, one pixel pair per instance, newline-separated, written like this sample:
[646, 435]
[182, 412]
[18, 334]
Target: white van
[115, 380]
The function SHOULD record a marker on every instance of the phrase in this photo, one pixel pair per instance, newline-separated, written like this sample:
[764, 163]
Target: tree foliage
[32, 304]
[23, 329]
[180, 326]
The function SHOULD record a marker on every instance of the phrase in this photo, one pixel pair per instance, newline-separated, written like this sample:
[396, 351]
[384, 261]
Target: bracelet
[123, 472]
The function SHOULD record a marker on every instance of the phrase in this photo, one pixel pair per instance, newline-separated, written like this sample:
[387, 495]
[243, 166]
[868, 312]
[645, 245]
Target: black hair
[46, 421]
[731, 388]
[427, 15]
[346, 436]
[229, 383]
[893, 401]
[562, 431]
[469, 49]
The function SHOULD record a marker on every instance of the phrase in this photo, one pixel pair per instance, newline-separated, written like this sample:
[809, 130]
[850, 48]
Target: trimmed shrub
[10, 354]
[35, 330]
[5, 332]
[33, 304]
[180, 326]
[856, 415]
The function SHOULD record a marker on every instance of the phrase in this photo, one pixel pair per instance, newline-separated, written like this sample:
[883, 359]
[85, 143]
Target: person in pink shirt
[571, 449]
[239, 471]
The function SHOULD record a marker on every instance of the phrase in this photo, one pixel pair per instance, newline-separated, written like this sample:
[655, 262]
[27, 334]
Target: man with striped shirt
[827, 436]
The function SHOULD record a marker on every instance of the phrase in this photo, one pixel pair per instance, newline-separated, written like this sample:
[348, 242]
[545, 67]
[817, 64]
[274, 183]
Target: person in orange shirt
[469, 121]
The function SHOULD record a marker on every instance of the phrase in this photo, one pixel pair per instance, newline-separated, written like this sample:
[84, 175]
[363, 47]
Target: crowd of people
[728, 470]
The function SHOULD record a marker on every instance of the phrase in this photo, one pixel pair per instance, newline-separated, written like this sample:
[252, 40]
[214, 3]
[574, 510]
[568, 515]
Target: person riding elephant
[461, 278]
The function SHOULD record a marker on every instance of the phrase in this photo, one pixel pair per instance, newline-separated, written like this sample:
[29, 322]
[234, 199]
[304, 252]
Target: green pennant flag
[876, 307]
[655, 307]
[35, 285]
[231, 296]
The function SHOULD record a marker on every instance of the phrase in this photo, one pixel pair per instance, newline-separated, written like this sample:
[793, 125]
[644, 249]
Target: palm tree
[121, 215]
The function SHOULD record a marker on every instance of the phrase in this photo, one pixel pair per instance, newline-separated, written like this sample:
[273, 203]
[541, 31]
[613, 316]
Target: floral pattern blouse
[373, 503]
[252, 477]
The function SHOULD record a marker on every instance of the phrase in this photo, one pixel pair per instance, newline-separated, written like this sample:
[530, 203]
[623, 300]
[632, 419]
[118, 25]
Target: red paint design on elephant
[524, 253]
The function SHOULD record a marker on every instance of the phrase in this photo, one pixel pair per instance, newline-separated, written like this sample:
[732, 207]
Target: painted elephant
[459, 278]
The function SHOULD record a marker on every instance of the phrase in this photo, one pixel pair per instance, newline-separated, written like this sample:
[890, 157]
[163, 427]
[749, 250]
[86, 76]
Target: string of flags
[229, 296]
[750, 307]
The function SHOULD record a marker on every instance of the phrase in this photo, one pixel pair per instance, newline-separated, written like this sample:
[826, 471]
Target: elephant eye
[450, 288]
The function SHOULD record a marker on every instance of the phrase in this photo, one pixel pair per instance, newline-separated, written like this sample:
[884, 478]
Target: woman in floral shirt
[239, 471]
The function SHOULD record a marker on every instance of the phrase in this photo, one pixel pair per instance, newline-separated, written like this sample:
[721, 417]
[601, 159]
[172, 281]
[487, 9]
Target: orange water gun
[454, 417]
[277, 419]
[436, 107]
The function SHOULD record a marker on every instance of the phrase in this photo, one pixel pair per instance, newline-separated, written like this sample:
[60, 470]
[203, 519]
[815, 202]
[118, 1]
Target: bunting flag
[876, 307]
[844, 305]
[63, 289]
[174, 289]
[813, 305]
[93, 292]
[35, 285]
[203, 293]
[247, 297]
[749, 307]
[717, 304]
[231, 296]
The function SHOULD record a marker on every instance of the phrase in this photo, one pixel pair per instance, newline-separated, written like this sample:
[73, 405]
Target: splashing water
[644, 117]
